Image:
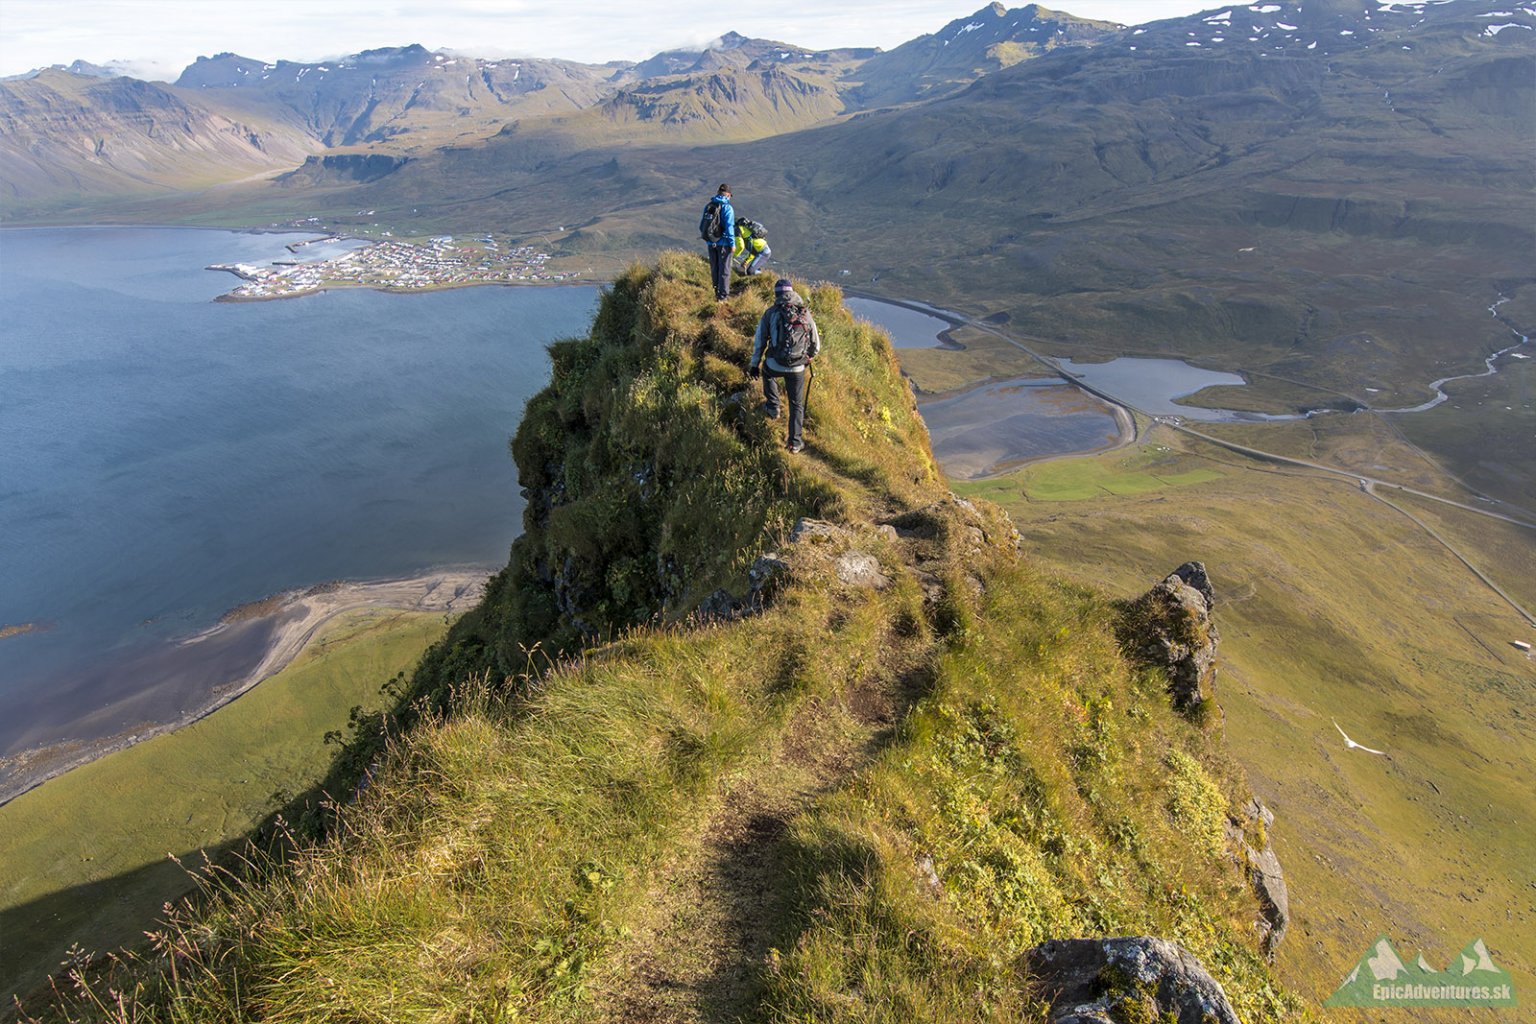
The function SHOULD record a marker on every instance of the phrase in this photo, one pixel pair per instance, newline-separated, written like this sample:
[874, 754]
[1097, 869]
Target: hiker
[786, 342]
[718, 229]
[751, 252]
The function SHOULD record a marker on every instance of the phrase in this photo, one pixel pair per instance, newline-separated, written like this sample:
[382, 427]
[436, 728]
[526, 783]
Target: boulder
[816, 531]
[858, 569]
[1171, 626]
[1090, 981]
[958, 523]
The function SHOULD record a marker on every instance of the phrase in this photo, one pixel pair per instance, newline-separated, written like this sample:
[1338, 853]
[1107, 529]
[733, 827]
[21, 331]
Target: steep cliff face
[406, 95]
[727, 101]
[66, 136]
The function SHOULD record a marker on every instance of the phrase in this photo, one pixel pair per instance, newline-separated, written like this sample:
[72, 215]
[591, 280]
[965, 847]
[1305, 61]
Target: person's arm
[815, 348]
[759, 342]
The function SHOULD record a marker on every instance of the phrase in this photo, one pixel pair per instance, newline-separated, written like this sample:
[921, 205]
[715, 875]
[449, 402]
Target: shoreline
[292, 619]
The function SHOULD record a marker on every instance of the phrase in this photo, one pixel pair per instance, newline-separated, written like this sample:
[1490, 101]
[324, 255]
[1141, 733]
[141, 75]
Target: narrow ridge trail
[720, 909]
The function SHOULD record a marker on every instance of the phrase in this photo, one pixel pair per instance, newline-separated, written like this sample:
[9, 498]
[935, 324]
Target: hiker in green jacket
[750, 253]
[786, 342]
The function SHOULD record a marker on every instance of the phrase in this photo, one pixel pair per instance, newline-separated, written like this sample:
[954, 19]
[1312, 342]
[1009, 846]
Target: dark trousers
[720, 269]
[794, 388]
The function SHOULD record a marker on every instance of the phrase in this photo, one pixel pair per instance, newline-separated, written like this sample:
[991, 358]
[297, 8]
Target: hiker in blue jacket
[718, 229]
[786, 342]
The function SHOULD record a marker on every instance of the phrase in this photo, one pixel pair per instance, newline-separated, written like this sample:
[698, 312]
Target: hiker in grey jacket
[786, 342]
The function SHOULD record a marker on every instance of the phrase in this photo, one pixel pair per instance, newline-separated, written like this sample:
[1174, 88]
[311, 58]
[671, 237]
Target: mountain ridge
[881, 769]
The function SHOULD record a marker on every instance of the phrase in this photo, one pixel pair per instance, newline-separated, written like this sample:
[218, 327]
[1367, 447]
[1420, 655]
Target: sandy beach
[196, 676]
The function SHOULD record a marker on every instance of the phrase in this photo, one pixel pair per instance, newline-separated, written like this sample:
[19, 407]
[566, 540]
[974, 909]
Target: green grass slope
[86, 854]
[1335, 607]
[863, 804]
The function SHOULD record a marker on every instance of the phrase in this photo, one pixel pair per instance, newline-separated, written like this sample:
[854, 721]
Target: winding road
[1368, 485]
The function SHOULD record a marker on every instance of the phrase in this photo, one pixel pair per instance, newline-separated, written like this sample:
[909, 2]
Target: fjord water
[164, 458]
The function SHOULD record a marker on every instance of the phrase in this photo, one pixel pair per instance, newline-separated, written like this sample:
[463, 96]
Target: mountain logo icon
[1380, 978]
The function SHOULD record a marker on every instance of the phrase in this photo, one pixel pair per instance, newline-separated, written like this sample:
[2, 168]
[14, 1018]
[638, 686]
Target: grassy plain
[1363, 443]
[1505, 551]
[1140, 471]
[86, 855]
[1333, 607]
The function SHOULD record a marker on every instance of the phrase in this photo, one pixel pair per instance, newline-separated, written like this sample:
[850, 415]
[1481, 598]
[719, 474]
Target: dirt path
[717, 911]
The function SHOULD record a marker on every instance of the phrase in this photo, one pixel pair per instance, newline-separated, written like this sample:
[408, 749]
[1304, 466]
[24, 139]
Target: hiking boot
[771, 411]
[796, 447]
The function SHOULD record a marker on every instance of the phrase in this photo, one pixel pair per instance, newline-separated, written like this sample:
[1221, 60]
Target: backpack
[712, 224]
[792, 341]
[752, 229]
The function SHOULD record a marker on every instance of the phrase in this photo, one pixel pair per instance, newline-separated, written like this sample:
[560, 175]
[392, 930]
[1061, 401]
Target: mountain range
[1332, 191]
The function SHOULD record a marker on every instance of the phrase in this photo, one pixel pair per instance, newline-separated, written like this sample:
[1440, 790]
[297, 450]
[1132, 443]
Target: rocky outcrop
[1171, 626]
[932, 540]
[1263, 867]
[813, 545]
[1101, 981]
[951, 527]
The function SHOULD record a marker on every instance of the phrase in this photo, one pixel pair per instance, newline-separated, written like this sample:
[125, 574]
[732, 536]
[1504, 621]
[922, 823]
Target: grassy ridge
[86, 854]
[652, 479]
[1041, 788]
[860, 805]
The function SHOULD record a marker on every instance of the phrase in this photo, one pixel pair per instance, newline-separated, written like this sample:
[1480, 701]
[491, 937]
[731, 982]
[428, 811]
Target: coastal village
[440, 262]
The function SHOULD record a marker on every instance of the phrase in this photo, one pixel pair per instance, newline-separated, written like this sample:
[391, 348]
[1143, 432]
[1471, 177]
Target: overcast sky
[160, 37]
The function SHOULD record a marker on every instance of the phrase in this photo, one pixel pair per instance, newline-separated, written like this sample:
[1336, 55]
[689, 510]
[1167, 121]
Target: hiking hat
[782, 286]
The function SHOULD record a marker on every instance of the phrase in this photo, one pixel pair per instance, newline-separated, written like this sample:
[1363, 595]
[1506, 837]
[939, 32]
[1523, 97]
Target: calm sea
[164, 458]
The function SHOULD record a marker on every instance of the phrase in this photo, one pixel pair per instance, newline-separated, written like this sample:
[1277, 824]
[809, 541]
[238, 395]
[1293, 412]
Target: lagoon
[164, 458]
[1001, 425]
[1151, 385]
